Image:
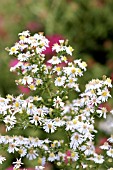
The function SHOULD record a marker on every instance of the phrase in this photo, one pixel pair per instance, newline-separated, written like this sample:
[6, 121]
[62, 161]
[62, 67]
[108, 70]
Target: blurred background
[87, 24]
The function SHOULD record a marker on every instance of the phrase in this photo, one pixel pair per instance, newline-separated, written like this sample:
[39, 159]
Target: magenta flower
[13, 62]
[24, 89]
[33, 26]
[68, 154]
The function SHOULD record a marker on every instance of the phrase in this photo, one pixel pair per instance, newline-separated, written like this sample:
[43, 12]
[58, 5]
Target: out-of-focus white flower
[99, 159]
[102, 112]
[105, 146]
[110, 152]
[2, 159]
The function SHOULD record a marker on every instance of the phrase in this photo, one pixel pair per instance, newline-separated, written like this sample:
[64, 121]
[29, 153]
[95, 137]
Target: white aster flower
[41, 161]
[57, 102]
[74, 156]
[110, 139]
[10, 121]
[99, 159]
[60, 81]
[64, 59]
[24, 56]
[39, 82]
[49, 126]
[22, 46]
[69, 50]
[105, 146]
[102, 112]
[58, 122]
[35, 119]
[56, 47]
[108, 82]
[82, 65]
[12, 147]
[110, 152]
[88, 148]
[31, 109]
[51, 157]
[24, 33]
[18, 164]
[27, 80]
[57, 70]
[70, 126]
[13, 50]
[22, 151]
[32, 86]
[54, 60]
[32, 154]
[103, 94]
[76, 140]
[84, 128]
[71, 82]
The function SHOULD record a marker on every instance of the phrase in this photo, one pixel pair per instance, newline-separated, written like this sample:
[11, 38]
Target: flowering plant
[51, 108]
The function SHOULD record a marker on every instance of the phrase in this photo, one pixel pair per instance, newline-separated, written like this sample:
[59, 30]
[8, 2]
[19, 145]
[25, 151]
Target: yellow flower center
[84, 64]
[52, 154]
[58, 68]
[32, 87]
[104, 93]
[70, 48]
[59, 79]
[72, 154]
[111, 151]
[54, 58]
[52, 145]
[49, 126]
[38, 81]
[73, 70]
[39, 161]
[16, 104]
[70, 80]
[64, 58]
[76, 137]
[13, 49]
[22, 37]
[36, 118]
[31, 151]
[74, 121]
[20, 151]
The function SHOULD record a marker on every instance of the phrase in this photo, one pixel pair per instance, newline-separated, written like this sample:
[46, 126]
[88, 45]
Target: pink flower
[13, 62]
[102, 141]
[33, 26]
[98, 150]
[23, 89]
[68, 154]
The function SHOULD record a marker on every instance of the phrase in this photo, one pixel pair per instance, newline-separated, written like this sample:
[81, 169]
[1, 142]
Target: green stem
[48, 91]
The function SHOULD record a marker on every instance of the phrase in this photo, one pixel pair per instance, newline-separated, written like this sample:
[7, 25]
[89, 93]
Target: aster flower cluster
[50, 108]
